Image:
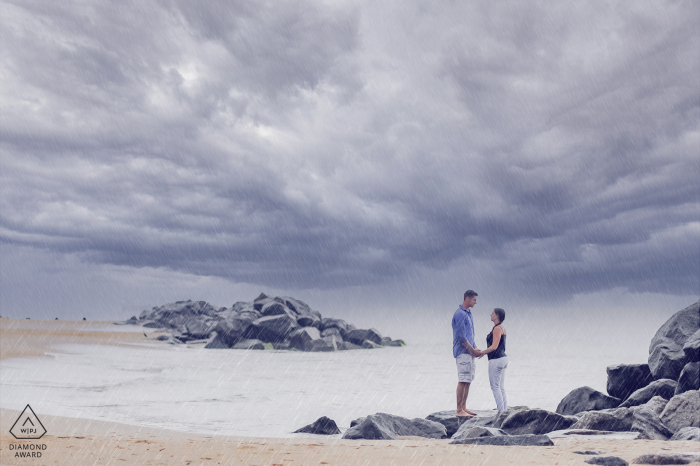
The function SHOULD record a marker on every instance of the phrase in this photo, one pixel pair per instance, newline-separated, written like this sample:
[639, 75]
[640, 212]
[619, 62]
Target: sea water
[273, 393]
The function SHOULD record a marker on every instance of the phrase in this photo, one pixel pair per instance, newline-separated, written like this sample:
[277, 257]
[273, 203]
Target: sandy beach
[70, 441]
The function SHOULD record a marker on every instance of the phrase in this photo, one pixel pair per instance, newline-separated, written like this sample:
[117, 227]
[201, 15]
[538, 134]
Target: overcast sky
[358, 155]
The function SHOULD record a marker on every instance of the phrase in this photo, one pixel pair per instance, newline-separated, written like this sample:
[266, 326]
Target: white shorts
[465, 368]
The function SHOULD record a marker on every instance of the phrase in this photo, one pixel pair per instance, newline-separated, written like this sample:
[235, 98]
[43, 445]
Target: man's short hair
[470, 294]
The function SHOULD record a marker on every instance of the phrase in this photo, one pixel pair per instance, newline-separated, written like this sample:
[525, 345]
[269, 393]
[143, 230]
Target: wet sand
[71, 441]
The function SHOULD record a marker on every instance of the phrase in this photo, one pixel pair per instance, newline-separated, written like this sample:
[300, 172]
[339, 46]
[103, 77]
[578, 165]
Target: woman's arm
[497, 332]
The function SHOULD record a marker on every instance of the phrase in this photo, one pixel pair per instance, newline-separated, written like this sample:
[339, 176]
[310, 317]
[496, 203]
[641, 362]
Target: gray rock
[682, 411]
[687, 433]
[607, 461]
[617, 420]
[447, 419]
[666, 354]
[468, 424]
[251, 344]
[272, 329]
[303, 338]
[346, 345]
[648, 423]
[367, 344]
[309, 320]
[625, 379]
[322, 426]
[217, 342]
[588, 452]
[383, 426]
[232, 328]
[664, 388]
[508, 440]
[198, 329]
[273, 308]
[586, 399]
[667, 359]
[331, 331]
[689, 379]
[500, 417]
[481, 432]
[396, 343]
[691, 348]
[667, 458]
[358, 336]
[173, 315]
[534, 421]
[325, 344]
[656, 405]
[340, 324]
[260, 301]
[162, 338]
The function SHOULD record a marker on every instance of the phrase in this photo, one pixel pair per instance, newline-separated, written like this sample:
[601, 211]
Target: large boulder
[339, 324]
[691, 348]
[303, 338]
[476, 421]
[474, 432]
[198, 329]
[586, 399]
[325, 344]
[273, 308]
[682, 411]
[687, 433]
[232, 329]
[527, 440]
[666, 355]
[383, 426]
[667, 458]
[217, 342]
[625, 379]
[647, 420]
[359, 336]
[607, 461]
[665, 388]
[447, 419]
[174, 315]
[615, 420]
[689, 379]
[322, 426]
[272, 329]
[535, 421]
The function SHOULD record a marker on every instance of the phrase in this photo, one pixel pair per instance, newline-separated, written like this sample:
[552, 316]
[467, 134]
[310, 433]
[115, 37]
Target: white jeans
[497, 376]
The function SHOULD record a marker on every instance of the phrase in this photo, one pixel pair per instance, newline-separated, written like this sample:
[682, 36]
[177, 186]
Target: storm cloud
[326, 145]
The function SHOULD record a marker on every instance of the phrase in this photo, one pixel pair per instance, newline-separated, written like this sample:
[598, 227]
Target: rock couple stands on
[659, 400]
[282, 322]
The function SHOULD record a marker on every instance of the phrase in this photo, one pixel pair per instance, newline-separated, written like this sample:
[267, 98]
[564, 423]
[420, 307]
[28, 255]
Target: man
[464, 350]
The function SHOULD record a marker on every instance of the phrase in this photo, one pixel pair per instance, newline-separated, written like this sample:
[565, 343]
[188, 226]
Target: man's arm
[470, 349]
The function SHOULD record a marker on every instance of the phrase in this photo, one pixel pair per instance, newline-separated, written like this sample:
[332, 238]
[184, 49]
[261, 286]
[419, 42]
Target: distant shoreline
[25, 338]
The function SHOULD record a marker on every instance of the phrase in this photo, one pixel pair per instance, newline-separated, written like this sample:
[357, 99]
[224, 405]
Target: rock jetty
[266, 322]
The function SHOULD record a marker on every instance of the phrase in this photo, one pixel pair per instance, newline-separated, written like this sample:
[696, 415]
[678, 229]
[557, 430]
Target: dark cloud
[301, 145]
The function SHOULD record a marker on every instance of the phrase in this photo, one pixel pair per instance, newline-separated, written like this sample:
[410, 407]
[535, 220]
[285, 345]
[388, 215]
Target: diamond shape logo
[28, 426]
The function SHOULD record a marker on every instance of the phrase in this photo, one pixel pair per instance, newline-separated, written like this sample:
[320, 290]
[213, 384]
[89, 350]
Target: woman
[498, 361]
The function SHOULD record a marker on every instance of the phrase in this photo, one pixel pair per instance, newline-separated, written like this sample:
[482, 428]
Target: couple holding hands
[465, 352]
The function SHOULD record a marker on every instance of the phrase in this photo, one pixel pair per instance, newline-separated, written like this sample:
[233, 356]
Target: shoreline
[87, 442]
[80, 441]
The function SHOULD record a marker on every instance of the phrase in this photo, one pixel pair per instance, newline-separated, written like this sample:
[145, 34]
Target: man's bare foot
[464, 414]
[471, 413]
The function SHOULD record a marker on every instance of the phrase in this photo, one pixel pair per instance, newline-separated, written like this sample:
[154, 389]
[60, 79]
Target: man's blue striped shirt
[462, 329]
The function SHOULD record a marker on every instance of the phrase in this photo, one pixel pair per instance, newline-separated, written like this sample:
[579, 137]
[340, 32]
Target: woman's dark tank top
[500, 351]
